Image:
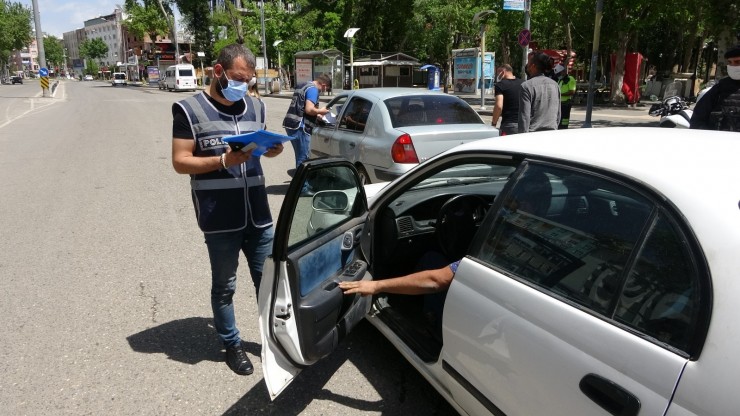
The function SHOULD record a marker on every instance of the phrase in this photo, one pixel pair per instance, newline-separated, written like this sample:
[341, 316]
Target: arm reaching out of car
[419, 283]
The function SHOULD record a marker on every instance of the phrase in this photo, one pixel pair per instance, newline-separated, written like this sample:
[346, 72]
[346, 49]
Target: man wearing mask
[507, 100]
[539, 98]
[300, 119]
[227, 187]
[719, 108]
[567, 85]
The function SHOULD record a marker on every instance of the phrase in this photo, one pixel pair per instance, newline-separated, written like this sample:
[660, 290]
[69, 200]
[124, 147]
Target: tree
[15, 29]
[93, 49]
[145, 19]
[53, 51]
[196, 17]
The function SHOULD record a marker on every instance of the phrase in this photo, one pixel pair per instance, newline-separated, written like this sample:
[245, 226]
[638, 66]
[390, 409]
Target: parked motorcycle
[673, 112]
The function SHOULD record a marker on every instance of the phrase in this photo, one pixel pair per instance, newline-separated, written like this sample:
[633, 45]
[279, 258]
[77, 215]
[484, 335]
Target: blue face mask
[235, 90]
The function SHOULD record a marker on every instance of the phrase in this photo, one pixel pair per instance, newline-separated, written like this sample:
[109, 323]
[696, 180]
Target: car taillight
[403, 150]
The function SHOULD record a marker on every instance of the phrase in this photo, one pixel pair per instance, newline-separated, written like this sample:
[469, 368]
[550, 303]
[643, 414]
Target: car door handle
[610, 396]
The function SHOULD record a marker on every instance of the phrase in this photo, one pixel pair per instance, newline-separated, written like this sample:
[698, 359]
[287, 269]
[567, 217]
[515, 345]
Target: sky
[58, 17]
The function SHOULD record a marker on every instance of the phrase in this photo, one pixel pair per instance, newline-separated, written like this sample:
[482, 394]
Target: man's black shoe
[238, 361]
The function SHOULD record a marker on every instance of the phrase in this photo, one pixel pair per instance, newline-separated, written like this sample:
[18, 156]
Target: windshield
[430, 109]
[467, 174]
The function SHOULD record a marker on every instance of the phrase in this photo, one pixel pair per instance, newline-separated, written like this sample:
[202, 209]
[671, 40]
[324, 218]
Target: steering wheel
[457, 222]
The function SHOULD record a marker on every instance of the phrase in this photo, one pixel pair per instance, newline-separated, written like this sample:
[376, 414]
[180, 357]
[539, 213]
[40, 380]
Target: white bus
[180, 78]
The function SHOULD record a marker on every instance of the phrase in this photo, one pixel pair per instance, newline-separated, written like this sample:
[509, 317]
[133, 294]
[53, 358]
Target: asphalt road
[105, 279]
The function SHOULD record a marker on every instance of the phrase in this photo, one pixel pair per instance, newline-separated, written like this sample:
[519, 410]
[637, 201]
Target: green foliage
[92, 68]
[15, 26]
[145, 19]
[53, 51]
[93, 49]
[667, 33]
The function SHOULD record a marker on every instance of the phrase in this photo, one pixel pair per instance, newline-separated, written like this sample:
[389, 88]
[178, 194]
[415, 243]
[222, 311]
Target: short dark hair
[324, 79]
[231, 53]
[543, 62]
[506, 67]
[733, 52]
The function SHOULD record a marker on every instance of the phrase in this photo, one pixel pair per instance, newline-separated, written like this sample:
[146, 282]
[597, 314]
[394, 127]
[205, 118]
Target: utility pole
[264, 45]
[479, 17]
[39, 41]
[594, 60]
[173, 28]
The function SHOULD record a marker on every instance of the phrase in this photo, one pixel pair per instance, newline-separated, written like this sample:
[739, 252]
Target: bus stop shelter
[310, 64]
[395, 70]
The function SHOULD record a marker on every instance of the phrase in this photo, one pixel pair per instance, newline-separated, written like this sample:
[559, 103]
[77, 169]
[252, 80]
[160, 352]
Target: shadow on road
[189, 340]
[378, 362]
[278, 189]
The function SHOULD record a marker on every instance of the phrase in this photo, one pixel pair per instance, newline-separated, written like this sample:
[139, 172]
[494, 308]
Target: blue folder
[260, 141]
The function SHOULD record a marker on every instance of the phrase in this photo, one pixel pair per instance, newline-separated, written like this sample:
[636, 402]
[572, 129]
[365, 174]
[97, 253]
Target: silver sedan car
[598, 272]
[385, 132]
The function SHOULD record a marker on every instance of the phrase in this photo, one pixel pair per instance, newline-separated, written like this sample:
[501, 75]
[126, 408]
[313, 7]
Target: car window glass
[566, 230]
[431, 109]
[422, 224]
[328, 198]
[356, 115]
[336, 105]
[661, 295]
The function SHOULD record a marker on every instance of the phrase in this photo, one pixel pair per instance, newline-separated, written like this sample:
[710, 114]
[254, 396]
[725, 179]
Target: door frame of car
[301, 325]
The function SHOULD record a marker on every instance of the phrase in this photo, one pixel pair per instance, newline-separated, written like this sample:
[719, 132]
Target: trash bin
[432, 77]
[275, 86]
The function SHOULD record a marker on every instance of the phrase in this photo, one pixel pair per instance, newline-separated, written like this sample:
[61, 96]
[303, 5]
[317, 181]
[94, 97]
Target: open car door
[303, 312]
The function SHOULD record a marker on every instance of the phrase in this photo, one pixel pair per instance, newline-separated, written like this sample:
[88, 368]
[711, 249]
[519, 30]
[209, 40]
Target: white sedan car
[387, 131]
[598, 274]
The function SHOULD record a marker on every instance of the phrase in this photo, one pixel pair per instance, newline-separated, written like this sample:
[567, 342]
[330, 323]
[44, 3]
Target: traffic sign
[525, 36]
[43, 72]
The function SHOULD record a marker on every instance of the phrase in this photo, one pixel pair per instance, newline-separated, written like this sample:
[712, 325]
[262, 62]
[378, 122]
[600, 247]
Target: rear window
[185, 72]
[119, 76]
[423, 110]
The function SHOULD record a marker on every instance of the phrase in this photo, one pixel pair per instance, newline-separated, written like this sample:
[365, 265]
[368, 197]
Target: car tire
[364, 178]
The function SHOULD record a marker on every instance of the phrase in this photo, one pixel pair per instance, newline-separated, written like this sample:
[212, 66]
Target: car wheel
[364, 178]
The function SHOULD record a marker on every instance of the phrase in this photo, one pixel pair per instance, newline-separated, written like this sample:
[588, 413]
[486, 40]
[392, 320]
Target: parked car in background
[119, 78]
[16, 79]
[598, 273]
[385, 132]
[89, 78]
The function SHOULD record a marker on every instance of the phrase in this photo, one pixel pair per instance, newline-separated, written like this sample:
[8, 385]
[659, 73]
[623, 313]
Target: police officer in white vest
[228, 187]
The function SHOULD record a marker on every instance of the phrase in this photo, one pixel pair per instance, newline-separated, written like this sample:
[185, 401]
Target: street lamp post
[280, 64]
[480, 16]
[349, 34]
[264, 45]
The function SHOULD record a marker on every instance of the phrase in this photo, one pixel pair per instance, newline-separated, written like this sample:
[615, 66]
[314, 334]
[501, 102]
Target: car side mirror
[330, 201]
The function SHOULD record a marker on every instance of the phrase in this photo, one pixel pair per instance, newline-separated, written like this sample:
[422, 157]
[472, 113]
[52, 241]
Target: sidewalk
[603, 115]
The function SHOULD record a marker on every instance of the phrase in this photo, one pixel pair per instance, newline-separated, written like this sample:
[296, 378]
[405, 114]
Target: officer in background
[567, 86]
[719, 108]
[300, 118]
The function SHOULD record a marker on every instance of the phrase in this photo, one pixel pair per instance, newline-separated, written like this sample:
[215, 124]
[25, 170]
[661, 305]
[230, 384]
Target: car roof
[696, 170]
[385, 93]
